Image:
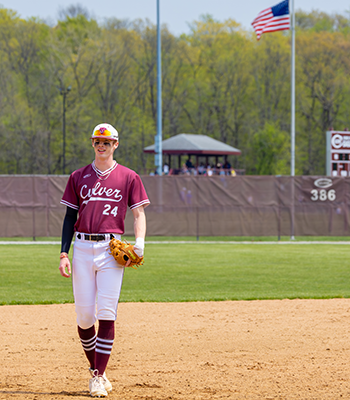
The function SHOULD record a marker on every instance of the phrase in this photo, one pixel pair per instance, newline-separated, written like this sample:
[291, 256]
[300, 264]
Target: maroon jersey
[102, 198]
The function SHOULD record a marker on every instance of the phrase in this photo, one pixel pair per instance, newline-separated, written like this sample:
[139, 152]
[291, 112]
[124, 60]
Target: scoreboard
[338, 153]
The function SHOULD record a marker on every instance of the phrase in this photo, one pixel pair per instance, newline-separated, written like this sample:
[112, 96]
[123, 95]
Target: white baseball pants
[97, 281]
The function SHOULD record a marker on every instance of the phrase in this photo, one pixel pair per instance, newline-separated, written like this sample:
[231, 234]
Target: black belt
[96, 238]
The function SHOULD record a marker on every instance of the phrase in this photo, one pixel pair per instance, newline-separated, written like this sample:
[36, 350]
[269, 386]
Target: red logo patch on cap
[102, 129]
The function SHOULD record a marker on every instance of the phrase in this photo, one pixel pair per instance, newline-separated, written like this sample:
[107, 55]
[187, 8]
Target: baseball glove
[123, 252]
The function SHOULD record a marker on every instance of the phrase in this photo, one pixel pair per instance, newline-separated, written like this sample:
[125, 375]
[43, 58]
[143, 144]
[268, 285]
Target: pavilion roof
[192, 144]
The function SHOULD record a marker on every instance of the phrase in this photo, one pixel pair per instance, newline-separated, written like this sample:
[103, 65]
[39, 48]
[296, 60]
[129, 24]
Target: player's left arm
[139, 230]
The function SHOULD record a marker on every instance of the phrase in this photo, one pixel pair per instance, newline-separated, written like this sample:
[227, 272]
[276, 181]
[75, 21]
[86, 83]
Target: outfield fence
[194, 206]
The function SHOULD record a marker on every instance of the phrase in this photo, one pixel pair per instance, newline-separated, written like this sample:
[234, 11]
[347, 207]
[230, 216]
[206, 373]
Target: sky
[177, 14]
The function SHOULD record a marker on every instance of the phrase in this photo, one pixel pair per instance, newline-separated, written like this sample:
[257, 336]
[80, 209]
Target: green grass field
[189, 272]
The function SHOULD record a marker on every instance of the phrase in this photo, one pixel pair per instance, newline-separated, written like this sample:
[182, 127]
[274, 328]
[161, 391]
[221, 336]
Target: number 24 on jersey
[108, 210]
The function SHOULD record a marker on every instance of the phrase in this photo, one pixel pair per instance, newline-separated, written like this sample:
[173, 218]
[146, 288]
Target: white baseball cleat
[96, 387]
[106, 382]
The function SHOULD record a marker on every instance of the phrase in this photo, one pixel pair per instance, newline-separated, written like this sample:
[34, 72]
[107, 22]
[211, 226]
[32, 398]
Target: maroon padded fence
[194, 206]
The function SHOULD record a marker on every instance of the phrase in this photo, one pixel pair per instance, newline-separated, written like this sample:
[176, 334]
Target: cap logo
[106, 131]
[102, 131]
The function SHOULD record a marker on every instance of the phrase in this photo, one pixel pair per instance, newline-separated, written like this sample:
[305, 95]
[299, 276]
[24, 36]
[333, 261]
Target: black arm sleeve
[68, 229]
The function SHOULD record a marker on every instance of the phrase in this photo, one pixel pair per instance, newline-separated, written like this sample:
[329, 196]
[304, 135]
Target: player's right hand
[65, 269]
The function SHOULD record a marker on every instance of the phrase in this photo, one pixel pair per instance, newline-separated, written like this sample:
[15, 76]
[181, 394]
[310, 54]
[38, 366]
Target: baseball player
[97, 197]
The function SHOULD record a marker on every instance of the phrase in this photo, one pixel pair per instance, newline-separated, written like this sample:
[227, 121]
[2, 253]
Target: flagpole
[158, 139]
[292, 135]
[292, 164]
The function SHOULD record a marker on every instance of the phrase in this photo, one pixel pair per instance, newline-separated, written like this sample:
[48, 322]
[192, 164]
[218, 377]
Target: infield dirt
[278, 349]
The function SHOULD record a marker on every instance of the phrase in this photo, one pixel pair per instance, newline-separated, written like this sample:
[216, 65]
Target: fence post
[278, 208]
[292, 209]
[33, 206]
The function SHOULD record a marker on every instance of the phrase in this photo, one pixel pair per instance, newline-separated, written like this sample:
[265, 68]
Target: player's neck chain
[102, 176]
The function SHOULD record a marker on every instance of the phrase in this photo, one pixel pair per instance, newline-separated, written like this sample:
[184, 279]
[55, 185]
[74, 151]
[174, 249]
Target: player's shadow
[63, 393]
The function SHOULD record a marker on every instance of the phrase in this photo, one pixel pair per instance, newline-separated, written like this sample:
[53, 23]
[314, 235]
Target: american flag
[272, 19]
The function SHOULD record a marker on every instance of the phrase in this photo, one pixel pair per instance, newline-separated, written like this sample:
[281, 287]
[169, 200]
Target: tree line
[217, 81]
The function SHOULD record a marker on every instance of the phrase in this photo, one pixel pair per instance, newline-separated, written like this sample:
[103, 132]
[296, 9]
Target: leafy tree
[324, 64]
[317, 21]
[269, 151]
[22, 48]
[218, 59]
[217, 80]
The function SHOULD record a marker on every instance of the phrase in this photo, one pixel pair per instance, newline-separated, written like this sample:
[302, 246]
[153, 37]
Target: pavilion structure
[192, 145]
